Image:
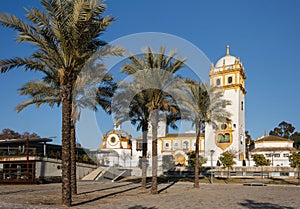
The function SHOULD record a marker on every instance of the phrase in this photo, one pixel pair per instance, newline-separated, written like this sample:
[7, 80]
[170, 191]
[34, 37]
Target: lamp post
[211, 165]
[248, 153]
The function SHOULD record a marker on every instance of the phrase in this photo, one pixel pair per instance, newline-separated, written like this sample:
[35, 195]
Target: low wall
[47, 167]
[250, 172]
[138, 172]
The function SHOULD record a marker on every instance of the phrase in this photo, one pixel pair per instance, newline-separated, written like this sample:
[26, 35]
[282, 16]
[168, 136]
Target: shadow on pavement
[98, 190]
[141, 207]
[104, 196]
[262, 205]
[168, 186]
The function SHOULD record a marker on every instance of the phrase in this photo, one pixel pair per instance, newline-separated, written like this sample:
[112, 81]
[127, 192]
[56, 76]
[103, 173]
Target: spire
[265, 133]
[227, 50]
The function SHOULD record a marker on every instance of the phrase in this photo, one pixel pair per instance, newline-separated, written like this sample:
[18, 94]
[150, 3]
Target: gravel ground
[171, 195]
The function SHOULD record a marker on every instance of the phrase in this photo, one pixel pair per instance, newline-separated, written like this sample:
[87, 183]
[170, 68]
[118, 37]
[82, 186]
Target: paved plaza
[171, 195]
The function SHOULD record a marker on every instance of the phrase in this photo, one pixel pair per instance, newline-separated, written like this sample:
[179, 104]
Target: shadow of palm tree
[19, 191]
[262, 205]
[106, 195]
[103, 189]
[141, 207]
[168, 186]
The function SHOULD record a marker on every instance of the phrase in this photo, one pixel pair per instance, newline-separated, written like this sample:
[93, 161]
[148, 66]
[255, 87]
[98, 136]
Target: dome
[227, 59]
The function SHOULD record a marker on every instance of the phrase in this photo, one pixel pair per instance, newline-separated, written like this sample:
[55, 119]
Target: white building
[274, 148]
[228, 75]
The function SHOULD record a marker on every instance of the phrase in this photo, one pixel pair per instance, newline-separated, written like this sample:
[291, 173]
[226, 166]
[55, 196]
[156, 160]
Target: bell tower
[228, 75]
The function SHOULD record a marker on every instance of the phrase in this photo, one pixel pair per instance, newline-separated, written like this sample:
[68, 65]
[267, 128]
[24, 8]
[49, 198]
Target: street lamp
[211, 165]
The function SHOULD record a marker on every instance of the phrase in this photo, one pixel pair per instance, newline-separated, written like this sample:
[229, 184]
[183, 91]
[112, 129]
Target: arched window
[227, 138]
[185, 145]
[224, 138]
[218, 82]
[220, 138]
[167, 145]
[176, 145]
[229, 79]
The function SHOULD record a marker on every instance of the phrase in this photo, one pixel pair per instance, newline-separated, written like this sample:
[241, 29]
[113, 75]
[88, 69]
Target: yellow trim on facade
[228, 130]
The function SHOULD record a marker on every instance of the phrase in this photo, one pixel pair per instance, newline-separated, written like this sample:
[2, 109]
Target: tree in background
[294, 159]
[227, 160]
[260, 160]
[287, 130]
[284, 130]
[296, 138]
[192, 160]
[11, 134]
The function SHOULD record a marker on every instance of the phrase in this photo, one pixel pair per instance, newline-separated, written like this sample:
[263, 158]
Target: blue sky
[265, 34]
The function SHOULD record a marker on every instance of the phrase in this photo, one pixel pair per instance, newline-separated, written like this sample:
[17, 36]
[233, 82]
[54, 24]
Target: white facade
[274, 148]
[228, 76]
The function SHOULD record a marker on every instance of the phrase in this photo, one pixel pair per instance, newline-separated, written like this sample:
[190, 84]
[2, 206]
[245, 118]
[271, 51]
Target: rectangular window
[139, 145]
[286, 155]
[242, 105]
[268, 155]
[176, 145]
[284, 173]
[276, 155]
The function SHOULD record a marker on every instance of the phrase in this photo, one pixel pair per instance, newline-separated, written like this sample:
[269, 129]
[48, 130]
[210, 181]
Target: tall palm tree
[201, 105]
[153, 75]
[65, 35]
[45, 92]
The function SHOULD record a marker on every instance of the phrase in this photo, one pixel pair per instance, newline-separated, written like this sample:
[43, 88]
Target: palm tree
[140, 114]
[201, 105]
[153, 75]
[65, 35]
[134, 110]
[45, 92]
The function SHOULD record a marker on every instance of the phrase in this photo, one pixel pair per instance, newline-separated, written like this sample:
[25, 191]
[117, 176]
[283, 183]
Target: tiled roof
[273, 139]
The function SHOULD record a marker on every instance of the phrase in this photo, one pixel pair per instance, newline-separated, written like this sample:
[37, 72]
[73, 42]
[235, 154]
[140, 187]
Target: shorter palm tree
[153, 74]
[200, 105]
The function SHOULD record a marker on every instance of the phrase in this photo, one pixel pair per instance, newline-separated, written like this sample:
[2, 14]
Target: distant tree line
[287, 130]
[11, 134]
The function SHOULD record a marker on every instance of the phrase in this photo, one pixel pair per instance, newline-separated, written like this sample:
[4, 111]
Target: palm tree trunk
[73, 159]
[154, 122]
[196, 181]
[144, 157]
[66, 143]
